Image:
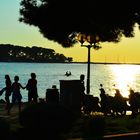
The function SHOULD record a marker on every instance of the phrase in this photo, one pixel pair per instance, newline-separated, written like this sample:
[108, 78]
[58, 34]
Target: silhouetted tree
[60, 20]
[69, 59]
[34, 54]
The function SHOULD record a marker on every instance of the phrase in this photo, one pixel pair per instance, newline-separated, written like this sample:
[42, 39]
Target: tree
[34, 54]
[61, 20]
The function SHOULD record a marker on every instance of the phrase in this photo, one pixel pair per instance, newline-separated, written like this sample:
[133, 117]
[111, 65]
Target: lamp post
[92, 41]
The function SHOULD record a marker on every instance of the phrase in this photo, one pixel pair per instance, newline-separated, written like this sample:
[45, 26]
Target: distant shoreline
[112, 63]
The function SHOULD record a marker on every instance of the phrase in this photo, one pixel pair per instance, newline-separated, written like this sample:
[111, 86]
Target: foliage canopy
[61, 20]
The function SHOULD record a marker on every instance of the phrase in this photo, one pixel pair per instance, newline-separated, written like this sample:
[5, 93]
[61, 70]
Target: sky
[17, 33]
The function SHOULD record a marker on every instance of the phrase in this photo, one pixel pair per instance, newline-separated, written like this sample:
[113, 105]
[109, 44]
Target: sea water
[48, 74]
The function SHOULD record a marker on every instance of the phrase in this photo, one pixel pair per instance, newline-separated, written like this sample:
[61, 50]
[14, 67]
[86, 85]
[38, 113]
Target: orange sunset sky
[16, 33]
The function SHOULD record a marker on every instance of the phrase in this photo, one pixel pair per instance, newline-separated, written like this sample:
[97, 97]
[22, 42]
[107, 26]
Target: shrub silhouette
[94, 126]
[46, 120]
[4, 128]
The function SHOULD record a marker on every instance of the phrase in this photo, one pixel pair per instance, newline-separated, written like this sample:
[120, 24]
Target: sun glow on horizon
[124, 77]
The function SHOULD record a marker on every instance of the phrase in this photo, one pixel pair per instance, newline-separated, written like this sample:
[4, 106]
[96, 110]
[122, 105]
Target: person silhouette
[7, 89]
[102, 89]
[82, 78]
[32, 88]
[118, 94]
[16, 94]
[120, 104]
[104, 100]
[68, 73]
[133, 101]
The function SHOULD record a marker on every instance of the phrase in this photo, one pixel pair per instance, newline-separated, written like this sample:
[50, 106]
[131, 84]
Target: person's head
[54, 86]
[7, 77]
[82, 77]
[33, 75]
[101, 85]
[16, 78]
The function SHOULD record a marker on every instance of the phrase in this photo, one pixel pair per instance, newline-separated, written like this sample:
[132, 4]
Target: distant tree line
[12, 53]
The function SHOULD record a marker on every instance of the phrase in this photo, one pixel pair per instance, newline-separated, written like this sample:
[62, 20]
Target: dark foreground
[39, 121]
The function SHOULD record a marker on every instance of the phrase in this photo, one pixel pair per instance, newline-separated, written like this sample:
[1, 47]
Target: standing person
[7, 89]
[120, 104]
[102, 89]
[133, 102]
[104, 101]
[32, 88]
[16, 94]
[82, 78]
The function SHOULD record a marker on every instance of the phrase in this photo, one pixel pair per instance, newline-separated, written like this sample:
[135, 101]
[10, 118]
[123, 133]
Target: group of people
[118, 103]
[107, 104]
[13, 89]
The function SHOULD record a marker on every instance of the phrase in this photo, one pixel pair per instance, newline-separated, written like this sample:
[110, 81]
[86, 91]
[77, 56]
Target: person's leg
[19, 106]
[29, 98]
[7, 102]
[19, 102]
[11, 105]
[35, 99]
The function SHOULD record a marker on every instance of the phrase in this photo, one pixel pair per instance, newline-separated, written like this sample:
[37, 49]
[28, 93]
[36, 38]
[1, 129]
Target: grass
[111, 125]
[123, 124]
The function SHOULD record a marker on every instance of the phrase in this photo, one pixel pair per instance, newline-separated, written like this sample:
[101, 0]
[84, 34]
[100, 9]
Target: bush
[4, 128]
[46, 120]
[94, 126]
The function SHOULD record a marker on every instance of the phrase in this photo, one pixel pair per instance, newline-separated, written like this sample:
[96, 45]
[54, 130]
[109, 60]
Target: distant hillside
[12, 53]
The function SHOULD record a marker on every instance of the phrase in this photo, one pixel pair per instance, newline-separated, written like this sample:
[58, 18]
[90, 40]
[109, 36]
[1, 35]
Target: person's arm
[1, 91]
[22, 86]
[4, 88]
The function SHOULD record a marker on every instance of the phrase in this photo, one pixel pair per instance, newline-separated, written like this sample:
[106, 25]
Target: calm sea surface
[123, 76]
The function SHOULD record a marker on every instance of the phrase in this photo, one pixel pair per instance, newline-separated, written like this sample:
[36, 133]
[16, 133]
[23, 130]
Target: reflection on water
[125, 76]
[49, 74]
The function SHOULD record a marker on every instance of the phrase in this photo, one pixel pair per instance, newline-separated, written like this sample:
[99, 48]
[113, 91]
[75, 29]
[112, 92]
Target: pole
[88, 70]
